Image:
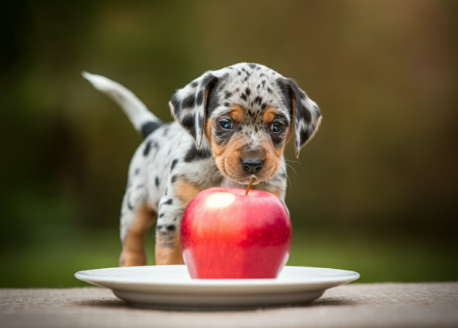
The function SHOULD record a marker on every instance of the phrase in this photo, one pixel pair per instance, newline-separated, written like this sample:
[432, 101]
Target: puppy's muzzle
[252, 165]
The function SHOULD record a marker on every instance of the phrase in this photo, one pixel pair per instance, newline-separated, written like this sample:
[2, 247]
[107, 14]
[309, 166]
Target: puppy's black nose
[251, 165]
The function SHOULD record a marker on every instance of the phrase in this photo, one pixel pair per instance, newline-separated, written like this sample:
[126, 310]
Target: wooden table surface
[355, 305]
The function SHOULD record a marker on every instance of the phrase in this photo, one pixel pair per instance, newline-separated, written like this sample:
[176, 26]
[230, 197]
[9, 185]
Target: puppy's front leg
[171, 209]
[135, 225]
[168, 246]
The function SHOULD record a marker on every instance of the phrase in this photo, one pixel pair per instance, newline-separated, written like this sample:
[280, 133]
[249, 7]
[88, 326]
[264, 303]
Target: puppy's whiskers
[213, 163]
[292, 168]
[211, 173]
[287, 177]
[199, 173]
[216, 173]
[288, 160]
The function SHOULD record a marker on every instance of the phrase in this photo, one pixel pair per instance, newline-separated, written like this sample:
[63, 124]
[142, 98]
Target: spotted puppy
[230, 125]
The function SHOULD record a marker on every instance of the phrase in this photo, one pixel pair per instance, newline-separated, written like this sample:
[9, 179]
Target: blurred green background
[375, 191]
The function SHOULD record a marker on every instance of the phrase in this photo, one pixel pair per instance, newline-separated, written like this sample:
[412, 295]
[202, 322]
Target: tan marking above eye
[269, 114]
[237, 113]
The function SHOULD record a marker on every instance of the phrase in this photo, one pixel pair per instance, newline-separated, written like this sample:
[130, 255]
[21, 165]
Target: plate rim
[83, 276]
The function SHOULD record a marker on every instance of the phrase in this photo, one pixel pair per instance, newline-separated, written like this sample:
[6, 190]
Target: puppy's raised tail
[143, 120]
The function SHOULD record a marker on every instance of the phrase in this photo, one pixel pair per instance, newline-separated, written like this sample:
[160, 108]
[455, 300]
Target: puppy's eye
[276, 127]
[226, 124]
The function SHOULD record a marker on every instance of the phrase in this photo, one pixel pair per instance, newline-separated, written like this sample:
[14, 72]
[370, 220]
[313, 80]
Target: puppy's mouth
[245, 179]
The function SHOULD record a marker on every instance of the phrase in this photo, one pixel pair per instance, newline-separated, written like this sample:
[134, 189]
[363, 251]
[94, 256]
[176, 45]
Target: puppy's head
[247, 113]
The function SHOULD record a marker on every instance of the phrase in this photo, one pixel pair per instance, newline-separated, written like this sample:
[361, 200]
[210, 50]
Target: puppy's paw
[132, 259]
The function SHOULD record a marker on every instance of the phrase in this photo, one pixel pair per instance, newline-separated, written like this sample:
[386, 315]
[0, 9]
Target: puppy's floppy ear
[303, 110]
[188, 105]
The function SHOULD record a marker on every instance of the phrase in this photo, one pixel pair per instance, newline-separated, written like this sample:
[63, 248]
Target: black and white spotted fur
[181, 150]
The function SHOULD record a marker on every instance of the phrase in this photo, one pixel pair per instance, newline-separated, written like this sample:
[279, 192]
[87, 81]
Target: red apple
[227, 235]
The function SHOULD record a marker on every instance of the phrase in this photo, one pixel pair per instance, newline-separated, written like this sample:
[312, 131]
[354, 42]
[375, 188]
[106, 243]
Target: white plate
[171, 286]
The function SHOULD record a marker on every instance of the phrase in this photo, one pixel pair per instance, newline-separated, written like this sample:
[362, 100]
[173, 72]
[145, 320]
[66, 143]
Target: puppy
[230, 125]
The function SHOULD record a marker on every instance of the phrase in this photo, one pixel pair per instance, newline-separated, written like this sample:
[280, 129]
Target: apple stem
[249, 186]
